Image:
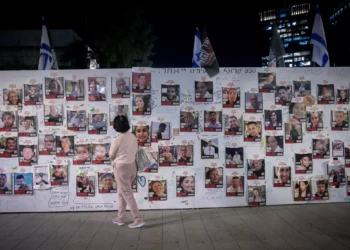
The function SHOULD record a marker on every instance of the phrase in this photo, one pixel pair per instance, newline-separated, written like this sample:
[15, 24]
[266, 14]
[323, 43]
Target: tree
[17, 62]
[77, 55]
[123, 40]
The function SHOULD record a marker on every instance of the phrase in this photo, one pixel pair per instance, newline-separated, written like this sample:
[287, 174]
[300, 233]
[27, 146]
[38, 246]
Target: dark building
[20, 49]
[338, 39]
[294, 25]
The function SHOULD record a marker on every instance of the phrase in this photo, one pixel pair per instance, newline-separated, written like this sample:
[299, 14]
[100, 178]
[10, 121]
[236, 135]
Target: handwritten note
[59, 197]
[232, 71]
[184, 202]
[92, 206]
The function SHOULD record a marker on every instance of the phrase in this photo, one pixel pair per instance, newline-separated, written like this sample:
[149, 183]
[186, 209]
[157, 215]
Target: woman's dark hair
[121, 124]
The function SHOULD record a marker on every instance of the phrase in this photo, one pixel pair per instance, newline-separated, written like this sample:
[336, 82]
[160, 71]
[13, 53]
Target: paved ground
[312, 226]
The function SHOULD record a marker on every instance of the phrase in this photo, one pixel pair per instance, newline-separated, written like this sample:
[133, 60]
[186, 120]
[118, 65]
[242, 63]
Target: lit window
[298, 38]
[294, 23]
[304, 43]
[268, 28]
[288, 24]
[282, 15]
[291, 65]
[304, 53]
[288, 40]
[286, 45]
[307, 63]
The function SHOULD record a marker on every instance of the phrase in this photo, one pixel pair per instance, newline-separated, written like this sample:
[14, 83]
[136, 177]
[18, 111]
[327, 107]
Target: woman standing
[123, 156]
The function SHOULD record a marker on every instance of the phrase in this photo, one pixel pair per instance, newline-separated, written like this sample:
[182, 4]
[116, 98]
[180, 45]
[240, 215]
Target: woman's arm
[113, 150]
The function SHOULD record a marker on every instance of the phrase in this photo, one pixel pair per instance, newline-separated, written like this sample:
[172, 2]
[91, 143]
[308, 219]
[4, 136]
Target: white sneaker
[136, 224]
[118, 222]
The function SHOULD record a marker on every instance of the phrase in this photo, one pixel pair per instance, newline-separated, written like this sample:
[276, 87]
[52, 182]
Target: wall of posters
[246, 137]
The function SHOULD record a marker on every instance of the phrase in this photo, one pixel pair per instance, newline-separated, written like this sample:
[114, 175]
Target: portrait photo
[302, 88]
[253, 102]
[274, 145]
[282, 176]
[203, 91]
[75, 90]
[314, 121]
[8, 121]
[185, 155]
[85, 185]
[340, 120]
[47, 144]
[234, 185]
[267, 82]
[120, 87]
[231, 97]
[256, 169]
[303, 163]
[100, 153]
[157, 190]
[342, 96]
[54, 88]
[141, 82]
[141, 104]
[212, 121]
[33, 94]
[185, 186]
[106, 183]
[233, 124]
[209, 148]
[325, 94]
[23, 183]
[252, 131]
[273, 119]
[59, 174]
[234, 157]
[170, 95]
[160, 131]
[257, 195]
[293, 132]
[98, 123]
[143, 134]
[53, 115]
[167, 156]
[283, 95]
[189, 121]
[13, 97]
[97, 89]
[8, 146]
[302, 190]
[214, 177]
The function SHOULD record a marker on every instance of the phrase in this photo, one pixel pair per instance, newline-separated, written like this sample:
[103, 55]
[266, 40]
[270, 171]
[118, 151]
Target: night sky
[234, 31]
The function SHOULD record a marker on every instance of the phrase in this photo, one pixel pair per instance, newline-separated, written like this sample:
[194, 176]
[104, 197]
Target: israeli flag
[46, 59]
[318, 39]
[196, 50]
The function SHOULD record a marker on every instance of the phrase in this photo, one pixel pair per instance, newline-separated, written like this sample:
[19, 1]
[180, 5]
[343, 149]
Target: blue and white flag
[46, 59]
[196, 50]
[318, 39]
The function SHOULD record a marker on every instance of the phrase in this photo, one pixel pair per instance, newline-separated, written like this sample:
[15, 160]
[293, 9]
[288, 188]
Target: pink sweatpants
[125, 174]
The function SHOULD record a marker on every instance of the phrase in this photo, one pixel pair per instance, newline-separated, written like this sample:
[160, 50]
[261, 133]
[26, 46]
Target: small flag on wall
[47, 59]
[208, 59]
[318, 39]
[196, 50]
